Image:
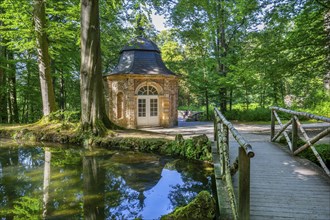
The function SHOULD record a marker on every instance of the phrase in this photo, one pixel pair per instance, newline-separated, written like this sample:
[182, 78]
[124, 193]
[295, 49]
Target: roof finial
[139, 28]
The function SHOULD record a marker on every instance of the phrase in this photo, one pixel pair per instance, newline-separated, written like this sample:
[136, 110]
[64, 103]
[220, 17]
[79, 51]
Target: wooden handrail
[304, 114]
[295, 126]
[222, 127]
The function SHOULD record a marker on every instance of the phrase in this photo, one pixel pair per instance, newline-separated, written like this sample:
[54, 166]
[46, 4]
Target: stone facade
[121, 95]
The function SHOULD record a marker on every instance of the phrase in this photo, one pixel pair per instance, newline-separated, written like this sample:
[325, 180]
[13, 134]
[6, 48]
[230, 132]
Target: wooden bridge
[271, 183]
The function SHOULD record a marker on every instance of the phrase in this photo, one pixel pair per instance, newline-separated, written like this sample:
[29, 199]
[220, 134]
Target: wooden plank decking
[284, 186]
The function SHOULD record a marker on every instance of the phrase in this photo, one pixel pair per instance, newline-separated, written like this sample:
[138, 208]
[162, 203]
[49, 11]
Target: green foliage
[322, 149]
[65, 157]
[257, 114]
[198, 148]
[25, 208]
[322, 109]
[191, 108]
[267, 50]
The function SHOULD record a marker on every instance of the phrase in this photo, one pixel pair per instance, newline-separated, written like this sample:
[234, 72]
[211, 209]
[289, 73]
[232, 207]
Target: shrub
[322, 149]
[257, 114]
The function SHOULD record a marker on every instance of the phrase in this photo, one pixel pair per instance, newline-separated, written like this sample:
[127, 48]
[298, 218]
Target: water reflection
[62, 183]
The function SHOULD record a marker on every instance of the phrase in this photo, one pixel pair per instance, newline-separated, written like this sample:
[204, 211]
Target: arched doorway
[147, 106]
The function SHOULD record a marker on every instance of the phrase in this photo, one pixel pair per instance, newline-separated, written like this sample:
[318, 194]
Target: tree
[93, 116]
[12, 94]
[218, 26]
[3, 88]
[46, 85]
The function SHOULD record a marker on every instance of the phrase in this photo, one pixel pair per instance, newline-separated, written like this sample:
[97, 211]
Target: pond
[57, 182]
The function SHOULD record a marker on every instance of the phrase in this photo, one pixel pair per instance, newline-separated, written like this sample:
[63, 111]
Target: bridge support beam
[272, 125]
[294, 134]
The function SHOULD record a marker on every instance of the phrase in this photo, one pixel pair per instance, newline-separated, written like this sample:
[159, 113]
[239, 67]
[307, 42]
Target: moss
[198, 147]
[202, 207]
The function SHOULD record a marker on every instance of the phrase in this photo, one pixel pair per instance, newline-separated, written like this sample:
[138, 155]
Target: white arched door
[147, 106]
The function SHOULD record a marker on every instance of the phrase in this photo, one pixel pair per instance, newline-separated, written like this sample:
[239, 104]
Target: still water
[56, 182]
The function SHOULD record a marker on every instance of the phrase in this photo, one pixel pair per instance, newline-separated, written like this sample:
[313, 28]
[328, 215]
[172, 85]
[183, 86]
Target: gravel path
[251, 132]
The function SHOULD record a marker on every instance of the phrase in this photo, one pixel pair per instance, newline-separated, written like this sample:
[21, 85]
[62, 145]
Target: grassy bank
[198, 147]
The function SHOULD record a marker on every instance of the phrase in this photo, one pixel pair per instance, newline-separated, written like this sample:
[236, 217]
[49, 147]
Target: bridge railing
[241, 207]
[295, 125]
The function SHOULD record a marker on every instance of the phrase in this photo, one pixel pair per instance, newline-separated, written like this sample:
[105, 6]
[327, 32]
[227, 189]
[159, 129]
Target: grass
[322, 149]
[259, 115]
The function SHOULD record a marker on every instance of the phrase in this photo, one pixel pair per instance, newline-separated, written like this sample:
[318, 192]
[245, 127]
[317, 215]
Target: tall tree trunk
[91, 85]
[327, 31]
[207, 104]
[62, 91]
[275, 98]
[27, 96]
[12, 96]
[47, 91]
[221, 51]
[3, 87]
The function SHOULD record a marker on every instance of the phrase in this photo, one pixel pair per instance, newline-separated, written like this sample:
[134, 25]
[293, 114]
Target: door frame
[147, 120]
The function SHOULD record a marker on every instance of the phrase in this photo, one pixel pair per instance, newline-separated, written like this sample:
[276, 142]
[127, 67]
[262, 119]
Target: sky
[158, 21]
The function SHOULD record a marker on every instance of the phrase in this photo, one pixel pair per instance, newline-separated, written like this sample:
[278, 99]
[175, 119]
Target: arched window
[120, 105]
[148, 90]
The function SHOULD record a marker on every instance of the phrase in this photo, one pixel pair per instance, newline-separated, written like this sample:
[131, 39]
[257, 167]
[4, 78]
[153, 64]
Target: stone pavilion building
[141, 91]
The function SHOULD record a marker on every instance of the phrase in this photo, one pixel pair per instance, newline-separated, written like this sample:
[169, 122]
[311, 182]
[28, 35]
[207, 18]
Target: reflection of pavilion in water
[141, 172]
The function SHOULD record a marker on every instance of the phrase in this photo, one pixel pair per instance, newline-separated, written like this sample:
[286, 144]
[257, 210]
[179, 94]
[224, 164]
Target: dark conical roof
[141, 43]
[141, 56]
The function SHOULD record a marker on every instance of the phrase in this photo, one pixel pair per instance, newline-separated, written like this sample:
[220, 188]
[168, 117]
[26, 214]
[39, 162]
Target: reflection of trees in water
[121, 201]
[18, 178]
[181, 195]
[94, 176]
[112, 183]
[46, 183]
[195, 179]
[66, 188]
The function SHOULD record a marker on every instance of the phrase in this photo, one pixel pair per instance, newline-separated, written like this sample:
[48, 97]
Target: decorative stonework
[167, 88]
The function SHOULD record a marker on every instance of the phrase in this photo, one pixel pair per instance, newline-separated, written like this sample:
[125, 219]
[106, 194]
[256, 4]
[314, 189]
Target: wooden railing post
[294, 134]
[215, 127]
[226, 137]
[222, 153]
[241, 206]
[293, 142]
[243, 185]
[272, 125]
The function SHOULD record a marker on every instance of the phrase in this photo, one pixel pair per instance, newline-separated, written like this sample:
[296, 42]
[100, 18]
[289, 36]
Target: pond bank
[111, 181]
[198, 147]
